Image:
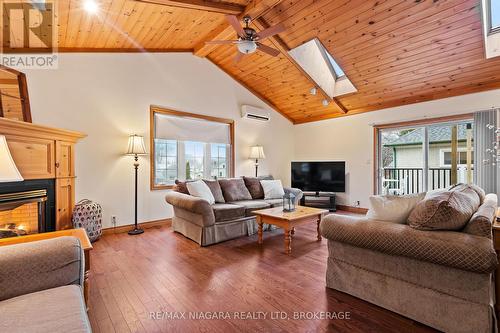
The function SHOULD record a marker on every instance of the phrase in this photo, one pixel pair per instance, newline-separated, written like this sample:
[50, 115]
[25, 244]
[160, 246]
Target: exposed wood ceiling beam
[255, 9]
[262, 98]
[279, 44]
[206, 5]
[101, 50]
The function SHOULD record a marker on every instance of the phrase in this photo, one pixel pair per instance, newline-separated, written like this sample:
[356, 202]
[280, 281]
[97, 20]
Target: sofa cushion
[251, 205]
[393, 208]
[449, 210]
[480, 222]
[254, 187]
[63, 311]
[180, 186]
[479, 191]
[226, 212]
[273, 189]
[214, 187]
[275, 202]
[234, 189]
[201, 190]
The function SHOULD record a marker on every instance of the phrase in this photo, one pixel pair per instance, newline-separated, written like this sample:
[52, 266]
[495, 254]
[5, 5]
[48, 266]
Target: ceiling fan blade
[235, 23]
[271, 31]
[222, 42]
[268, 50]
[238, 57]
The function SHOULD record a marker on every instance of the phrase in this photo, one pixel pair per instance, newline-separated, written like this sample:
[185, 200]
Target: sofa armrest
[29, 267]
[193, 205]
[295, 191]
[448, 248]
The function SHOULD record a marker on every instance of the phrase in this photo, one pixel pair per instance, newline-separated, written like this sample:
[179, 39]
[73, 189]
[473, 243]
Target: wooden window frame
[23, 93]
[419, 122]
[161, 110]
[491, 30]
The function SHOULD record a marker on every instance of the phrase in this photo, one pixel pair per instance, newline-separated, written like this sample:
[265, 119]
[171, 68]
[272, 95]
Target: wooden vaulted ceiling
[395, 52]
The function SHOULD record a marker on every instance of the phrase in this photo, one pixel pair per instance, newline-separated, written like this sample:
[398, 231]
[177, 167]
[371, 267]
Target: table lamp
[257, 153]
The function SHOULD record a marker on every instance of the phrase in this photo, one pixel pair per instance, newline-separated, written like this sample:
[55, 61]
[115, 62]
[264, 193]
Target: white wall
[350, 138]
[107, 96]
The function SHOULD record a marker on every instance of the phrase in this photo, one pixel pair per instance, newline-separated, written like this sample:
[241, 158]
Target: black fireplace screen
[36, 193]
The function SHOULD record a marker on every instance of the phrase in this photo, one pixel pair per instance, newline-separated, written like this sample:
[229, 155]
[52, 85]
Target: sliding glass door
[412, 159]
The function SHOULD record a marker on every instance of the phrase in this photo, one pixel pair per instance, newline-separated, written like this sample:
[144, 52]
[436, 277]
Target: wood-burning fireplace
[27, 207]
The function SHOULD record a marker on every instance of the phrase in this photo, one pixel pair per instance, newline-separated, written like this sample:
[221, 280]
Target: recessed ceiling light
[325, 102]
[90, 6]
[313, 91]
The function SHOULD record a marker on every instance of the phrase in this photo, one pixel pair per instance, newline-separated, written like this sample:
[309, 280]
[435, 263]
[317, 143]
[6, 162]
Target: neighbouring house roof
[437, 134]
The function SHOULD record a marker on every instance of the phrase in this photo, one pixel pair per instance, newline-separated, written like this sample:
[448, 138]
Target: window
[219, 161]
[416, 156]
[315, 59]
[491, 27]
[494, 14]
[445, 157]
[165, 161]
[336, 68]
[189, 146]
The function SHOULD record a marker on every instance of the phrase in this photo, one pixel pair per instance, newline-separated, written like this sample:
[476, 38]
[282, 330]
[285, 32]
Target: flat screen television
[319, 176]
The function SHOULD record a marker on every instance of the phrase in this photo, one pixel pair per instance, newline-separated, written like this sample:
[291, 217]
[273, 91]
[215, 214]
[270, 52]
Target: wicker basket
[88, 215]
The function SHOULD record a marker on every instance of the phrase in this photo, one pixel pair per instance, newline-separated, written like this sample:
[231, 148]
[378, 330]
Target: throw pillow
[180, 187]
[476, 188]
[201, 190]
[448, 210]
[480, 223]
[234, 189]
[273, 189]
[393, 208]
[254, 187]
[214, 187]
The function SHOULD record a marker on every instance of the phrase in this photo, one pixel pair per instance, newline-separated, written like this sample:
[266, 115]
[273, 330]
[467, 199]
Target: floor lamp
[135, 148]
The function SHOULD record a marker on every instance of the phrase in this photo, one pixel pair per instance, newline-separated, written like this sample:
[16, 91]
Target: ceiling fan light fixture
[247, 46]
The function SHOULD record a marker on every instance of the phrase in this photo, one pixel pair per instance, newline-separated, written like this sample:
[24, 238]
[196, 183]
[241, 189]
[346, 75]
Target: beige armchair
[440, 278]
[41, 285]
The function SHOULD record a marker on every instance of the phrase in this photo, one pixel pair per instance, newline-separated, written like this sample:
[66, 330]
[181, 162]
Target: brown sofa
[443, 279]
[230, 217]
[41, 287]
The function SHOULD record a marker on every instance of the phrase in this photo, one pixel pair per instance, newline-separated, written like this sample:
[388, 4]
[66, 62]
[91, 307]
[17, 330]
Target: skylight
[320, 65]
[333, 64]
[491, 27]
[494, 14]
[338, 71]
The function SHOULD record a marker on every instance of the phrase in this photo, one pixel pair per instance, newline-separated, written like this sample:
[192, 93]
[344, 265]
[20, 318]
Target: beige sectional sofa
[230, 217]
[41, 287]
[443, 279]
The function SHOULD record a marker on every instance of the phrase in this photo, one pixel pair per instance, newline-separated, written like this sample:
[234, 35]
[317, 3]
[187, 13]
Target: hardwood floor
[134, 276]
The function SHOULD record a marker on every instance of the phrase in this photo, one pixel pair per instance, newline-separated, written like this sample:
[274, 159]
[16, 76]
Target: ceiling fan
[249, 40]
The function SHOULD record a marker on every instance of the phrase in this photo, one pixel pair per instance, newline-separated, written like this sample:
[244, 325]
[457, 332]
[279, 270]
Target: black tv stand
[323, 200]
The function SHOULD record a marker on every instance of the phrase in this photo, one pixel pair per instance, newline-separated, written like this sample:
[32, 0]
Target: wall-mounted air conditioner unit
[254, 113]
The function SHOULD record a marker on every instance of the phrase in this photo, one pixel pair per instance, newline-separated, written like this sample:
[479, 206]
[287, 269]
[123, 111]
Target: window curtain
[190, 129]
[485, 165]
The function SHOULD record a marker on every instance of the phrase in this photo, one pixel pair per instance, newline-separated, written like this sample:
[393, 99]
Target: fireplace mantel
[42, 152]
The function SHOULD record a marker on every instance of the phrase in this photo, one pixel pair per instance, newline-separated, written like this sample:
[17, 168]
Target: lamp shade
[8, 169]
[136, 145]
[257, 153]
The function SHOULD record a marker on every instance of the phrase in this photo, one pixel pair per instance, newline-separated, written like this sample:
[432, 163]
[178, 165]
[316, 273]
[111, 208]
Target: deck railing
[410, 180]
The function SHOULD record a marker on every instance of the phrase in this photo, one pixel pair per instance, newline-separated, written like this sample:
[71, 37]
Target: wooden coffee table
[289, 220]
